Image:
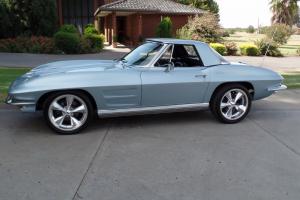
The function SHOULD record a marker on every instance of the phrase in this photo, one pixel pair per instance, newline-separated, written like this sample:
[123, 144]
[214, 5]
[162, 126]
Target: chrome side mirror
[170, 67]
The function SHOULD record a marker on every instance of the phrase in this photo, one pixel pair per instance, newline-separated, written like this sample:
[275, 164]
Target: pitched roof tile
[159, 6]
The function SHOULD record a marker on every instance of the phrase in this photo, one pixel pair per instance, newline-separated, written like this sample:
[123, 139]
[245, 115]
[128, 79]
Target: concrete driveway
[285, 64]
[183, 156]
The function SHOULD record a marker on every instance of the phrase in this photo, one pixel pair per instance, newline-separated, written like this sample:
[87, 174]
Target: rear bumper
[277, 88]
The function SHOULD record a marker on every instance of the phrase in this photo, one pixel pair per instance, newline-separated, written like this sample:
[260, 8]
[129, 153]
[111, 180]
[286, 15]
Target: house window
[78, 12]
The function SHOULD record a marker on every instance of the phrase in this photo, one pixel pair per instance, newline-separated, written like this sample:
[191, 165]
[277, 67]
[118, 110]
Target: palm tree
[284, 11]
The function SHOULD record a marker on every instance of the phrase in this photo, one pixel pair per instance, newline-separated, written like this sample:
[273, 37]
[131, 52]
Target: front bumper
[27, 105]
[277, 88]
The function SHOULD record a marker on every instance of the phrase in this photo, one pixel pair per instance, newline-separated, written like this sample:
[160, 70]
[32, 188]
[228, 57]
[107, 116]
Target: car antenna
[268, 48]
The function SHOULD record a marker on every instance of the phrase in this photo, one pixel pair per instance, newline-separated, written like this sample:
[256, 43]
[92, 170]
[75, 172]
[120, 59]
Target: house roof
[157, 6]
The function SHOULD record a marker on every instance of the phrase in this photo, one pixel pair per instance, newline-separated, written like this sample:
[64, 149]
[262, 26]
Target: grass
[7, 75]
[289, 49]
[292, 80]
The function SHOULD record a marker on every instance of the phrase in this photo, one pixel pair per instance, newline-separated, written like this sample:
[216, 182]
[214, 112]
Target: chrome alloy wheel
[68, 112]
[234, 104]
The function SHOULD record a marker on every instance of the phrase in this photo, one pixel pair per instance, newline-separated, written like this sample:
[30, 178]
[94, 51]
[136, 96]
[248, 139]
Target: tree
[209, 5]
[37, 17]
[205, 28]
[164, 29]
[284, 11]
[5, 22]
[279, 33]
[9, 23]
[250, 29]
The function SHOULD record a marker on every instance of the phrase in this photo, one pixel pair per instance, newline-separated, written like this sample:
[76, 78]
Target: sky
[242, 13]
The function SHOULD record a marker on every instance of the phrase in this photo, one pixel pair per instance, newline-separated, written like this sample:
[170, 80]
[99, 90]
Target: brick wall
[151, 21]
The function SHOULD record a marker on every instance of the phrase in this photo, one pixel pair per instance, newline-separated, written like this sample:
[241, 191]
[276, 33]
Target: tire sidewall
[216, 101]
[52, 97]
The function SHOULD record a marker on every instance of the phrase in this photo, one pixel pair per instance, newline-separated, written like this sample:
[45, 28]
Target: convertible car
[161, 75]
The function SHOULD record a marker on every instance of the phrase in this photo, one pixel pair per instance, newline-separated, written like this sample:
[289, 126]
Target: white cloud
[242, 13]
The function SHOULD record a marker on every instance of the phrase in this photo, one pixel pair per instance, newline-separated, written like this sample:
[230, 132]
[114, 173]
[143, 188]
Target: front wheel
[68, 113]
[231, 103]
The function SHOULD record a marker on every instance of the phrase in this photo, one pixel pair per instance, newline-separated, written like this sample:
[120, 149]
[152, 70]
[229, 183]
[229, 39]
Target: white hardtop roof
[208, 55]
[175, 41]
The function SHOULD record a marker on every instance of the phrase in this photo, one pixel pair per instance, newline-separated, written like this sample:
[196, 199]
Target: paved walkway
[181, 156]
[285, 64]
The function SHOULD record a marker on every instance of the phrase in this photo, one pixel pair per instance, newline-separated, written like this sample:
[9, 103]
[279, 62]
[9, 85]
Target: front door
[186, 83]
[121, 24]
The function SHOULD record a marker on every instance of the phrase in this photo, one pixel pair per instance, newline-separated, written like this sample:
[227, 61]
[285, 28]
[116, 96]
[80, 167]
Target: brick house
[129, 20]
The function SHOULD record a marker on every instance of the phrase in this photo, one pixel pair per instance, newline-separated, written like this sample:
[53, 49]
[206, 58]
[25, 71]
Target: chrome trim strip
[21, 103]
[152, 110]
[16, 102]
[277, 88]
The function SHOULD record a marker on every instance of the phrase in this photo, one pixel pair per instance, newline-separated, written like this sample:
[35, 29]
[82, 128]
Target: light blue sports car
[161, 75]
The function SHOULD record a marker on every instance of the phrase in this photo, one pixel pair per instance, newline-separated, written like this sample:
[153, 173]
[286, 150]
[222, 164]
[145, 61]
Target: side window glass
[191, 51]
[165, 58]
[186, 56]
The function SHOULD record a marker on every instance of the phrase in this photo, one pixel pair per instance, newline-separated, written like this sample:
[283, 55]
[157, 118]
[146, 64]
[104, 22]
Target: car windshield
[143, 54]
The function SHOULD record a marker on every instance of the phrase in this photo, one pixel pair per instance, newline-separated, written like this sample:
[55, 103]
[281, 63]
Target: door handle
[200, 76]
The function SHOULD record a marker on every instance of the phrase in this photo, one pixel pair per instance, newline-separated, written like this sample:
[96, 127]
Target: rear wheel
[68, 113]
[231, 103]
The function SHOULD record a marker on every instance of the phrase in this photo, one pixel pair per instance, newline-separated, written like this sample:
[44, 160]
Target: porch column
[59, 12]
[109, 29]
[96, 23]
[140, 25]
[105, 29]
[114, 26]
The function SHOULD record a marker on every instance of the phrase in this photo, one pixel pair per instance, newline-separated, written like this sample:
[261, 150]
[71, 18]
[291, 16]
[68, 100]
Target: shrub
[85, 46]
[28, 45]
[205, 28]
[298, 51]
[68, 28]
[96, 42]
[231, 31]
[279, 33]
[250, 29]
[249, 50]
[90, 29]
[67, 42]
[263, 46]
[220, 48]
[164, 29]
[231, 48]
[225, 33]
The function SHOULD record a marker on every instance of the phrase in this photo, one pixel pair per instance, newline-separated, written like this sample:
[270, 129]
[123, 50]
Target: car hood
[73, 66]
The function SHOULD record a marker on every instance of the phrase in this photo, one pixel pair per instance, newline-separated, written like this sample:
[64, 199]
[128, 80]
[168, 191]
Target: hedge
[69, 43]
[249, 50]
[96, 41]
[28, 45]
[220, 48]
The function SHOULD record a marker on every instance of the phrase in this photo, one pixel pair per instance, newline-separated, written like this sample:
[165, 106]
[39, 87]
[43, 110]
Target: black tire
[215, 103]
[83, 97]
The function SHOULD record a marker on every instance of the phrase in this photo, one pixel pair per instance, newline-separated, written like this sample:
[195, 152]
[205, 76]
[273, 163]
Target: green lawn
[289, 49]
[7, 75]
[292, 80]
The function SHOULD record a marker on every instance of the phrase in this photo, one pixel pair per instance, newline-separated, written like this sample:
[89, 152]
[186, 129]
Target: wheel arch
[246, 84]
[42, 99]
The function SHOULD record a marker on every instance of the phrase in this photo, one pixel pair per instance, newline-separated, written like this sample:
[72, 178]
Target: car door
[164, 85]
